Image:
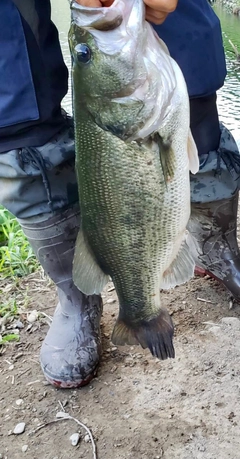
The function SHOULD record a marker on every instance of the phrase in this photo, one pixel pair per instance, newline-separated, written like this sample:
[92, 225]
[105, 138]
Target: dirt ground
[137, 407]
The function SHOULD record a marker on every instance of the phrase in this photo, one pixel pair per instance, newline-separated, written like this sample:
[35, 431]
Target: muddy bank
[137, 407]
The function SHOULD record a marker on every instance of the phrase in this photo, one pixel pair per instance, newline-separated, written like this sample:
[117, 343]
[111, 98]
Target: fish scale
[115, 199]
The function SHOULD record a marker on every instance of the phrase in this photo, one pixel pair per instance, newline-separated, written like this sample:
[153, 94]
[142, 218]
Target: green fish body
[133, 155]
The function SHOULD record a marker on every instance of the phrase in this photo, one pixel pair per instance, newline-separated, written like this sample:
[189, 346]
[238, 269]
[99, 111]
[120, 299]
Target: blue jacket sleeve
[33, 76]
[193, 36]
[17, 94]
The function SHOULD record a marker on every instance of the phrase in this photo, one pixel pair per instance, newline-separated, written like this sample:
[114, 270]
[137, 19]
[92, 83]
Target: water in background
[228, 96]
[61, 17]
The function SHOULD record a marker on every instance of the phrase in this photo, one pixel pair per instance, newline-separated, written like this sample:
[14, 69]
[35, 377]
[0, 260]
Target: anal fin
[192, 154]
[182, 268]
[87, 274]
[155, 334]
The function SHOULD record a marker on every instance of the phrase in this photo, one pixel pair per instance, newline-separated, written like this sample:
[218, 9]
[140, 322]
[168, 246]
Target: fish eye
[83, 53]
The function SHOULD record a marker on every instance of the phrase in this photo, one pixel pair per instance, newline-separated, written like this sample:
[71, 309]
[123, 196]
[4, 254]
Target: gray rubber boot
[71, 351]
[213, 223]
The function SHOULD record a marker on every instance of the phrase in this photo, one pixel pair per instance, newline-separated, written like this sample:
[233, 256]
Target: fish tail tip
[156, 335]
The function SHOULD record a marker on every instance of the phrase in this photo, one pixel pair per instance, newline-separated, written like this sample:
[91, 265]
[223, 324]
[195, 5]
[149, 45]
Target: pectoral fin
[87, 274]
[166, 156]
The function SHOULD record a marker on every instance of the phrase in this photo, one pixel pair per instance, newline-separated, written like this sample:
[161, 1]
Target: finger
[167, 6]
[90, 3]
[107, 2]
[155, 16]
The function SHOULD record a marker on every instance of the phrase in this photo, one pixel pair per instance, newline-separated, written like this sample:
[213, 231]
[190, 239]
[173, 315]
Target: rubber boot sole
[69, 384]
[200, 272]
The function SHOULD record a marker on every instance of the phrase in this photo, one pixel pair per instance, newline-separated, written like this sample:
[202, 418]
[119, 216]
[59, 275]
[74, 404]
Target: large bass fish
[134, 151]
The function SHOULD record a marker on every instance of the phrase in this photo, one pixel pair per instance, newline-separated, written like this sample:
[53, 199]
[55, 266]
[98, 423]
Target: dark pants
[204, 123]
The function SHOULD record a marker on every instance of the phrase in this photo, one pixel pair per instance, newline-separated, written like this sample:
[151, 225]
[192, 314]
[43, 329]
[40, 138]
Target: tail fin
[156, 334]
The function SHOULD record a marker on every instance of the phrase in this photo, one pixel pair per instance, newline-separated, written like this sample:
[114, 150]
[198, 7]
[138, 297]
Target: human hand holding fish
[156, 10]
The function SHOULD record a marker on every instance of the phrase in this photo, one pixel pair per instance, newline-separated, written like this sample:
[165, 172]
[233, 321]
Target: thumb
[107, 2]
[89, 3]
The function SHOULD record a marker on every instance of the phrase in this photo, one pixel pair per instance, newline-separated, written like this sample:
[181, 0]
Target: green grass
[7, 311]
[17, 258]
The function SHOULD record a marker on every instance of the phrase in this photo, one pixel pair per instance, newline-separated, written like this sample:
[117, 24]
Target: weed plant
[17, 259]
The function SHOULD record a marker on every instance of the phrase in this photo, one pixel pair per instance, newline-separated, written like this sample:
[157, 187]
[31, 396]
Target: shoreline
[231, 5]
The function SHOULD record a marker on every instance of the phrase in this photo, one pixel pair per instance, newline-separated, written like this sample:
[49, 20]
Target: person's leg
[214, 195]
[204, 123]
[39, 187]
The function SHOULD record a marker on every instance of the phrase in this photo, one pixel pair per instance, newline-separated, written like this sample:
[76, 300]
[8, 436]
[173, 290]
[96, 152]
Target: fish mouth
[100, 18]
[77, 6]
[123, 17]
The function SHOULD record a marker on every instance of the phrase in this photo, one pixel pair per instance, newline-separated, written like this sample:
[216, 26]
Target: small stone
[61, 414]
[113, 369]
[19, 428]
[24, 448]
[138, 356]
[111, 301]
[87, 438]
[32, 316]
[11, 367]
[19, 401]
[74, 439]
[18, 324]
[111, 289]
